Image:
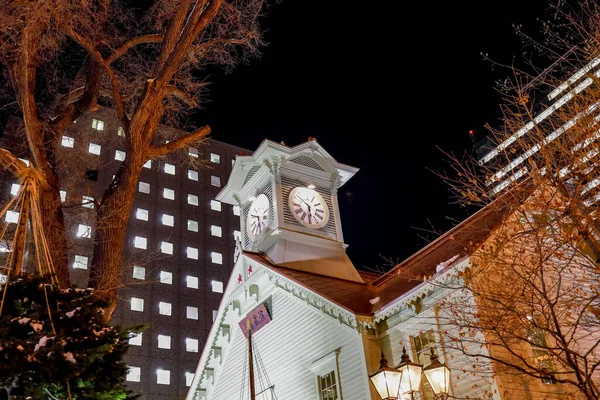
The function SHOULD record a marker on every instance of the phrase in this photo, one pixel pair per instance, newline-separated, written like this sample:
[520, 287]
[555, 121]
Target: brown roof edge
[264, 260]
[500, 205]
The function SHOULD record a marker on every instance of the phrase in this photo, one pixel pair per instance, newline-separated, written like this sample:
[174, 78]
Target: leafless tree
[530, 302]
[60, 58]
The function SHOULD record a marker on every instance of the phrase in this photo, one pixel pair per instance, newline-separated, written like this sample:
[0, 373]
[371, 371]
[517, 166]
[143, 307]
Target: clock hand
[302, 200]
[308, 205]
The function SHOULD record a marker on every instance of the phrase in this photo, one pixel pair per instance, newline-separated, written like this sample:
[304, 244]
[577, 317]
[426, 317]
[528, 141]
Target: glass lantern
[438, 376]
[410, 381]
[386, 380]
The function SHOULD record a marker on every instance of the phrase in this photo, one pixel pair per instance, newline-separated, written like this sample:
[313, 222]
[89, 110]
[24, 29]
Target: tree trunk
[54, 232]
[111, 224]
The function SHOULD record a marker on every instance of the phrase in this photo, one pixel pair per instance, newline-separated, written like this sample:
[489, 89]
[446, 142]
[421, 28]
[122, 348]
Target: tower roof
[270, 153]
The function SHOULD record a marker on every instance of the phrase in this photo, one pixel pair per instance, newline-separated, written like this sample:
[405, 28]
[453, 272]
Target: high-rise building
[179, 246]
[563, 120]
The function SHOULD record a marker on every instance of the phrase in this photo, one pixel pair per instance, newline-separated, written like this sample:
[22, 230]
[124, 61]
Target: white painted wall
[298, 335]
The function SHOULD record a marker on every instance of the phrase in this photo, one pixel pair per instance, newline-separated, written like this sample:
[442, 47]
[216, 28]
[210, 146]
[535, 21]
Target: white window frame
[164, 342]
[215, 205]
[80, 262]
[190, 310]
[97, 124]
[94, 148]
[216, 258]
[167, 220]
[217, 286]
[192, 252]
[163, 376]
[140, 242]
[87, 202]
[192, 225]
[139, 304]
[168, 194]
[135, 339]
[134, 374]
[215, 158]
[189, 378]
[166, 248]
[84, 231]
[11, 217]
[143, 187]
[142, 214]
[169, 169]
[192, 345]
[192, 281]
[165, 277]
[165, 308]
[236, 210]
[193, 152]
[139, 272]
[120, 155]
[216, 231]
[192, 199]
[67, 141]
[324, 366]
[193, 175]
[15, 188]
[148, 164]
[215, 181]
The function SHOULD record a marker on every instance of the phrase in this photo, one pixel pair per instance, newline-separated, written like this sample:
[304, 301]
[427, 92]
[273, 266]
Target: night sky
[379, 88]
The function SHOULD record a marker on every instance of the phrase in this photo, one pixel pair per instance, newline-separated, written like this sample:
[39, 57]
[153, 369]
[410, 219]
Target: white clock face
[258, 217]
[308, 207]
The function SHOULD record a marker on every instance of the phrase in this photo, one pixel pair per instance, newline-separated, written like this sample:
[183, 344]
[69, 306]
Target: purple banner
[258, 317]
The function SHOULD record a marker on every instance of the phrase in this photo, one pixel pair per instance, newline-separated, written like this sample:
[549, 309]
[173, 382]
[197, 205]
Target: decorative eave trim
[311, 298]
[414, 297]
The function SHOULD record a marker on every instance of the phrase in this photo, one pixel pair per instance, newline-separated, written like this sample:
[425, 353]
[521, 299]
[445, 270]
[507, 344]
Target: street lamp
[386, 380]
[438, 376]
[411, 375]
[404, 381]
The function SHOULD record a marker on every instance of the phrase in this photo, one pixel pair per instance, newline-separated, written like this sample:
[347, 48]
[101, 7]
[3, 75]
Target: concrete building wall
[180, 291]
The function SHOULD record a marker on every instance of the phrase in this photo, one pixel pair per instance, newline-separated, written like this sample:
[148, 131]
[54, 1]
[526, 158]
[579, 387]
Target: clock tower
[289, 207]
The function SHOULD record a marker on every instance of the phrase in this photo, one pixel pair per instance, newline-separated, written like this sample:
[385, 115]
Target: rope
[261, 366]
[10, 257]
[258, 371]
[27, 204]
[243, 387]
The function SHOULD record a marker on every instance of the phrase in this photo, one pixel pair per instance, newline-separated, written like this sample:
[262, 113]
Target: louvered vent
[287, 184]
[251, 173]
[307, 162]
[267, 191]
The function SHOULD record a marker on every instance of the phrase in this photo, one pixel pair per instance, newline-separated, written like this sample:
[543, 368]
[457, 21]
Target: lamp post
[405, 379]
[438, 376]
[386, 380]
[411, 375]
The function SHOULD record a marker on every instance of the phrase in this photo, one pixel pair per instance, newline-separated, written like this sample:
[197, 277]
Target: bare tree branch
[179, 143]
[132, 43]
[180, 94]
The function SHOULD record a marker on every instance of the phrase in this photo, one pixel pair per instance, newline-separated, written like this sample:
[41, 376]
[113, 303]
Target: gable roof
[456, 243]
[378, 291]
[350, 295]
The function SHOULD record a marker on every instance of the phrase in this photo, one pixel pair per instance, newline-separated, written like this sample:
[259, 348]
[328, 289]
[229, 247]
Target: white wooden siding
[298, 335]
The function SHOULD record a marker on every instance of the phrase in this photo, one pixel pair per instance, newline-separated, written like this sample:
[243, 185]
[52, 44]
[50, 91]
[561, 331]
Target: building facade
[178, 252]
[319, 326]
[559, 137]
